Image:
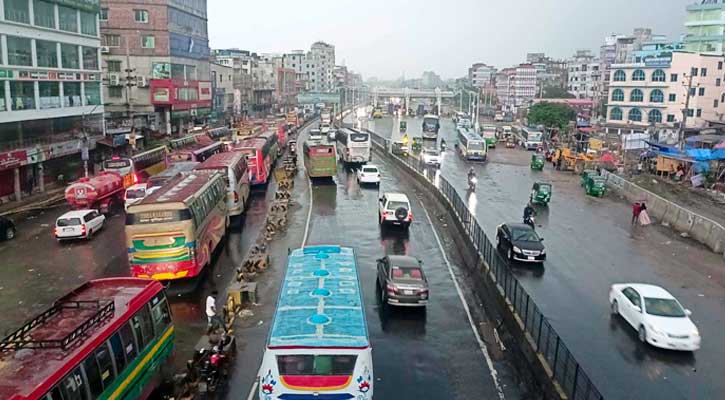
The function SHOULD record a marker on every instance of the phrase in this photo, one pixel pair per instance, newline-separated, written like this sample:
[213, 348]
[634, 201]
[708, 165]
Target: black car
[7, 229]
[402, 282]
[520, 242]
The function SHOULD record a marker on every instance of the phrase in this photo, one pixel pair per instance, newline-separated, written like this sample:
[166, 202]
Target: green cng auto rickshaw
[417, 146]
[400, 149]
[540, 193]
[585, 175]
[537, 162]
[403, 126]
[595, 185]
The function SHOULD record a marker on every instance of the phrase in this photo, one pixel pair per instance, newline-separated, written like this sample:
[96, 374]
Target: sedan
[402, 282]
[368, 174]
[656, 315]
[430, 157]
[520, 242]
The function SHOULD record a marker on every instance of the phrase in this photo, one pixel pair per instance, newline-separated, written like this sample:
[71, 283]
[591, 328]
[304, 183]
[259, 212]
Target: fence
[546, 341]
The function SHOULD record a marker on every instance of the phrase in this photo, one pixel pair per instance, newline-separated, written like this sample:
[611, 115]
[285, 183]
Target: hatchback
[80, 224]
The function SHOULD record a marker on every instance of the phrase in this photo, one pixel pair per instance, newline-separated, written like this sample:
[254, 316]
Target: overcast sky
[386, 38]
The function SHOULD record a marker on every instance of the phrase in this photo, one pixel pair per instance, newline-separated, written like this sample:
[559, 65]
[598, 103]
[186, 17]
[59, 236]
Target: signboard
[64, 148]
[84, 153]
[86, 5]
[204, 90]
[315, 98]
[161, 71]
[655, 62]
[34, 155]
[12, 159]
[162, 95]
[48, 75]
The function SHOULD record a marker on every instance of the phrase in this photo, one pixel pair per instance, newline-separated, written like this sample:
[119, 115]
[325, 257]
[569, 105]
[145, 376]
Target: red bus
[107, 339]
[193, 148]
[261, 153]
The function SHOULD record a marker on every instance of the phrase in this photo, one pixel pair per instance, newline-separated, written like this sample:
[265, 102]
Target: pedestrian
[636, 209]
[214, 321]
[644, 219]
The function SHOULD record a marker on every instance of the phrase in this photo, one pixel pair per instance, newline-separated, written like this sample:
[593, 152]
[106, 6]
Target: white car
[430, 157]
[331, 135]
[656, 315]
[80, 224]
[325, 128]
[368, 174]
[394, 209]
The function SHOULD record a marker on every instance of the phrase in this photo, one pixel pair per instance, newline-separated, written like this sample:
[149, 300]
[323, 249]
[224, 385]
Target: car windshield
[370, 169]
[135, 194]
[394, 205]
[525, 235]
[68, 222]
[544, 188]
[406, 273]
[431, 152]
[663, 307]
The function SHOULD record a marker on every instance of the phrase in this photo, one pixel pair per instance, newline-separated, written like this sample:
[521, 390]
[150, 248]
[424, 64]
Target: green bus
[319, 157]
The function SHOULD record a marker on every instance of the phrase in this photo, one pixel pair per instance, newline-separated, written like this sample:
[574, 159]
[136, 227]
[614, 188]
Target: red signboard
[12, 159]
[182, 95]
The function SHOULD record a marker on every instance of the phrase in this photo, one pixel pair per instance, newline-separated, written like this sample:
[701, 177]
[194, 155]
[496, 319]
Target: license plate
[531, 258]
[67, 229]
[408, 292]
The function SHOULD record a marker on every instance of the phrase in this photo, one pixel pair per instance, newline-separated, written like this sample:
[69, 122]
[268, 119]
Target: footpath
[53, 195]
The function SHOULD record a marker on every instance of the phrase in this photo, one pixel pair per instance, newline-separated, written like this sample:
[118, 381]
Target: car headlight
[696, 332]
[517, 250]
[543, 251]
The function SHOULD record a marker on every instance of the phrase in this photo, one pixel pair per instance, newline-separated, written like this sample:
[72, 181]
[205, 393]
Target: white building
[322, 58]
[480, 74]
[516, 87]
[584, 77]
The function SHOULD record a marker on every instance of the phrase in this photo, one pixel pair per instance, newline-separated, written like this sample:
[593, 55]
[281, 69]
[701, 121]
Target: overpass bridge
[408, 93]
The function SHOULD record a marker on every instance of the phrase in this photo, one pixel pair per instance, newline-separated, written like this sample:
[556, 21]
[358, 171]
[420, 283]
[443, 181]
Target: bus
[138, 168]
[234, 167]
[319, 157]
[194, 148]
[172, 233]
[318, 344]
[175, 168]
[107, 339]
[353, 146]
[530, 138]
[489, 135]
[471, 145]
[261, 153]
[431, 125]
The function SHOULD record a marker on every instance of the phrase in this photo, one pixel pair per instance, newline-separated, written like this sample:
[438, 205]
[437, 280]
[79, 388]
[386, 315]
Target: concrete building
[705, 26]
[297, 61]
[322, 61]
[222, 87]
[516, 87]
[652, 95]
[156, 63]
[480, 75]
[242, 63]
[584, 76]
[51, 103]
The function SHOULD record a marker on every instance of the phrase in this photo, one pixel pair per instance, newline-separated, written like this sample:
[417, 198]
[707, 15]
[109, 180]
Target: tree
[551, 115]
[556, 92]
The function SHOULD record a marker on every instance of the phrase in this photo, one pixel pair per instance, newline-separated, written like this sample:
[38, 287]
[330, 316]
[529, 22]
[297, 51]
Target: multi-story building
[705, 25]
[51, 107]
[243, 63]
[156, 62]
[297, 60]
[480, 75]
[584, 76]
[504, 88]
[322, 59]
[516, 87]
[652, 95]
[222, 87]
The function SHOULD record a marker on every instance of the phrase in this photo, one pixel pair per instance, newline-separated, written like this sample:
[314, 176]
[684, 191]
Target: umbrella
[720, 145]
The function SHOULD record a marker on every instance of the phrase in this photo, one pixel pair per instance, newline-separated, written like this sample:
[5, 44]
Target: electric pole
[685, 113]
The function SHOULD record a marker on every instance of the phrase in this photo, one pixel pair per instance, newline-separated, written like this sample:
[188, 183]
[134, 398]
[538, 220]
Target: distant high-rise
[705, 25]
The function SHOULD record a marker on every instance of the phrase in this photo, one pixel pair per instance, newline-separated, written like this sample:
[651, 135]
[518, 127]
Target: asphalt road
[590, 245]
[417, 354]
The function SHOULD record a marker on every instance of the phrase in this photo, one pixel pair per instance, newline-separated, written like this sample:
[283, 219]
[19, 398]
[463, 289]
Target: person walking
[636, 210]
[214, 321]
[644, 218]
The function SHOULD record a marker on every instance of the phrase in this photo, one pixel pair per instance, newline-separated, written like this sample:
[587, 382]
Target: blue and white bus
[471, 146]
[318, 345]
[530, 138]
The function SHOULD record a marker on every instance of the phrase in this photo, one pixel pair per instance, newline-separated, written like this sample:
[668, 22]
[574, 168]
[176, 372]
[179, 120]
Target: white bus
[353, 146]
[431, 125]
[318, 345]
[139, 167]
[234, 168]
[471, 146]
[530, 138]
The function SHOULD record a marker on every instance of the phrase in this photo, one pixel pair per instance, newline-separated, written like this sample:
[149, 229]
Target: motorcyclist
[471, 173]
[529, 212]
[405, 139]
[443, 144]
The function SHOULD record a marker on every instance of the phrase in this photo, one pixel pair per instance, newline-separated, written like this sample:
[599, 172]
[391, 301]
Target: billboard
[315, 98]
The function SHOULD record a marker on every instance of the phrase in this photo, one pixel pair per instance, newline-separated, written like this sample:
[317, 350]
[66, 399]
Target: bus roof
[178, 189]
[430, 116]
[470, 134]
[221, 160]
[28, 373]
[320, 303]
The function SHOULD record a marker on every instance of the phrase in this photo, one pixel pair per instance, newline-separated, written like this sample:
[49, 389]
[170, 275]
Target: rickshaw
[586, 174]
[540, 193]
[399, 149]
[403, 126]
[595, 185]
[417, 146]
[537, 162]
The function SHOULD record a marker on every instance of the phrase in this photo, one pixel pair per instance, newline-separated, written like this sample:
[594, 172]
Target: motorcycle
[214, 365]
[530, 221]
[443, 146]
[472, 183]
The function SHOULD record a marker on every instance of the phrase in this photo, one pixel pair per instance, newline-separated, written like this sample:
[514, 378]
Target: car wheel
[9, 233]
[615, 308]
[510, 254]
[642, 334]
[383, 296]
[89, 235]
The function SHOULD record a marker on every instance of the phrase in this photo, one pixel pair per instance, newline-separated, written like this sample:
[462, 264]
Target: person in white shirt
[214, 321]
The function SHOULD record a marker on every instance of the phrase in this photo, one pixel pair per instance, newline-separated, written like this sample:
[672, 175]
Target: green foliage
[551, 115]
[556, 92]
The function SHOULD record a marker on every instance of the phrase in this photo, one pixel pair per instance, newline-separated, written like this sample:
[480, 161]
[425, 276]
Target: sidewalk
[53, 195]
[696, 200]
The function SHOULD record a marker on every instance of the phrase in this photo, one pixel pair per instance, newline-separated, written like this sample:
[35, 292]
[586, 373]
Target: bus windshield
[359, 137]
[116, 164]
[430, 121]
[315, 365]
[475, 145]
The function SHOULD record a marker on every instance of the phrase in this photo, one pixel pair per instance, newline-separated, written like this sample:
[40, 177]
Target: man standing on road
[636, 210]
[214, 321]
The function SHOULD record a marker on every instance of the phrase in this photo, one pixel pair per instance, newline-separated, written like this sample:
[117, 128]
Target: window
[148, 42]
[68, 19]
[656, 96]
[718, 82]
[617, 95]
[716, 103]
[103, 16]
[638, 75]
[118, 351]
[141, 323]
[19, 52]
[49, 94]
[69, 56]
[722, 98]
[112, 40]
[46, 54]
[44, 14]
[113, 65]
[105, 365]
[670, 118]
[177, 71]
[72, 94]
[703, 71]
[672, 97]
[141, 16]
[93, 93]
[115, 91]
[619, 76]
[693, 71]
[22, 95]
[719, 65]
[3, 106]
[673, 77]
[90, 58]
[160, 313]
[129, 345]
[693, 91]
[71, 386]
[636, 95]
[17, 10]
[701, 92]
[95, 382]
[190, 73]
[654, 116]
[635, 115]
[699, 112]
[88, 23]
[615, 114]
[658, 76]
[690, 112]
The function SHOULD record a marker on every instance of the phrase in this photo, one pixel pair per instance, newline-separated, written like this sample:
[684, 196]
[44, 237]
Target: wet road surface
[417, 353]
[590, 245]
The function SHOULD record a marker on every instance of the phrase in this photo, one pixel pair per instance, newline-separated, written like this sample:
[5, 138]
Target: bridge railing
[565, 369]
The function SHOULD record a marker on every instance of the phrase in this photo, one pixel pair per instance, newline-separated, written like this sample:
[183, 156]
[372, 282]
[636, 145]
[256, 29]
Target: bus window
[93, 376]
[71, 386]
[105, 364]
[129, 346]
[54, 394]
[118, 352]
[143, 328]
[160, 314]
[307, 364]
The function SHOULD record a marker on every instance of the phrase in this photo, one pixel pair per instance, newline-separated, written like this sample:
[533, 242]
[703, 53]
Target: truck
[326, 117]
[102, 192]
[489, 134]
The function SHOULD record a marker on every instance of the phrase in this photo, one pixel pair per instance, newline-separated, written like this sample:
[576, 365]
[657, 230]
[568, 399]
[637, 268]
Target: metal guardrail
[565, 369]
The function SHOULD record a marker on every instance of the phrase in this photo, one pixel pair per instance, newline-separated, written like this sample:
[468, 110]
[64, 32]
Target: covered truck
[101, 191]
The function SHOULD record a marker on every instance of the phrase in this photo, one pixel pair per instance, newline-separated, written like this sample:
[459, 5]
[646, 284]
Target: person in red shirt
[636, 210]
